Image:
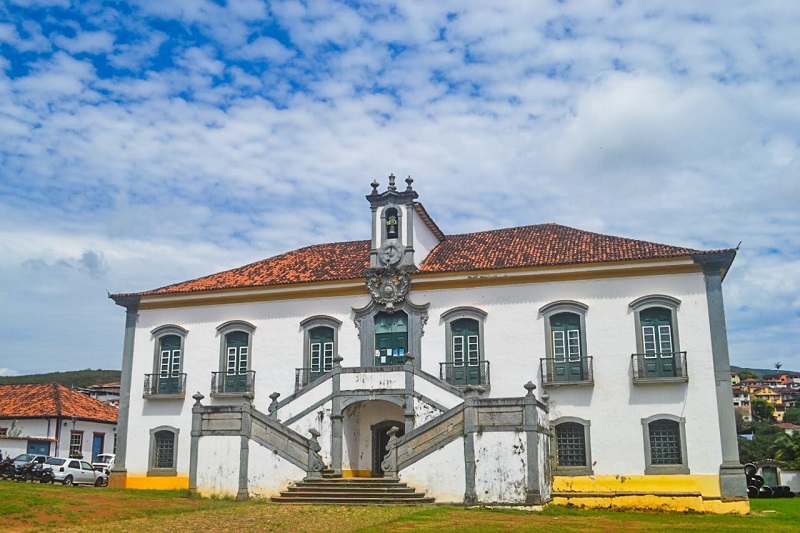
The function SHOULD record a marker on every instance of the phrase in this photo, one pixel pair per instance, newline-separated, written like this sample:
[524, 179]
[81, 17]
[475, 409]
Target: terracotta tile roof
[37, 400]
[527, 246]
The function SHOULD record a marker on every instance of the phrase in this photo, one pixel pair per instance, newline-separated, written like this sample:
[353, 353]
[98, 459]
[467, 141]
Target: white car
[104, 463]
[75, 471]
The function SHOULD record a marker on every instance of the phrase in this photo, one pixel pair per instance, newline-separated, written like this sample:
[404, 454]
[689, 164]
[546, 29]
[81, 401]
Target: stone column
[119, 473]
[533, 494]
[470, 428]
[244, 450]
[336, 417]
[732, 481]
[194, 445]
[409, 393]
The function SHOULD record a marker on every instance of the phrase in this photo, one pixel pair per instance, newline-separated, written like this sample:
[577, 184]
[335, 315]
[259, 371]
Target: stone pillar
[244, 450]
[533, 494]
[336, 417]
[733, 485]
[470, 428]
[118, 476]
[409, 393]
[197, 425]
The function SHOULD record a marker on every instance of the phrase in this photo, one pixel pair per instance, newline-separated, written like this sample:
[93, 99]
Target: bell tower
[392, 227]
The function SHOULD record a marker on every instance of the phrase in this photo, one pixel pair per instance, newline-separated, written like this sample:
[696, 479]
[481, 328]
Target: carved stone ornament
[388, 287]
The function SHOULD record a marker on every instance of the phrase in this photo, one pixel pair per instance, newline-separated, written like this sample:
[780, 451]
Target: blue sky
[145, 143]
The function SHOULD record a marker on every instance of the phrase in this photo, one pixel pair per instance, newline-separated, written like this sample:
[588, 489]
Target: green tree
[747, 374]
[792, 415]
[762, 410]
[787, 449]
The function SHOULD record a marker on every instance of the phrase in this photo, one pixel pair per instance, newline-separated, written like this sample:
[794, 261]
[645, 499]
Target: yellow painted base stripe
[706, 485]
[157, 483]
[356, 473]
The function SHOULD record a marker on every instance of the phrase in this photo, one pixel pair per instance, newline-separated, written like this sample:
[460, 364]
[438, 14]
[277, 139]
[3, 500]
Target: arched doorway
[380, 438]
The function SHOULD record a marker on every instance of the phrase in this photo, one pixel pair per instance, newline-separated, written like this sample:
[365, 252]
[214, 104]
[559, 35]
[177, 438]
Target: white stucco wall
[500, 466]
[219, 474]
[356, 432]
[440, 474]
[268, 473]
[58, 437]
[514, 342]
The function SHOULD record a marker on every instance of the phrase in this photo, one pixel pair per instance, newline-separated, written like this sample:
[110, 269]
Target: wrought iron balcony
[306, 376]
[164, 386]
[577, 371]
[463, 374]
[234, 384]
[659, 367]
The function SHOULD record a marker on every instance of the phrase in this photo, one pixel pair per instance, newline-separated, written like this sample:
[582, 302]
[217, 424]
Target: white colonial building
[517, 366]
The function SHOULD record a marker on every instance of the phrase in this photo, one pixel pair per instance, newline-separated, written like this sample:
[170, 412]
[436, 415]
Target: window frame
[72, 434]
[656, 469]
[547, 312]
[649, 302]
[233, 326]
[458, 313]
[152, 469]
[157, 335]
[319, 321]
[579, 470]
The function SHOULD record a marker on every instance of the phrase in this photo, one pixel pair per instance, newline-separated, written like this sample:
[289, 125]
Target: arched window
[235, 375]
[573, 452]
[465, 363]
[320, 346]
[665, 445]
[566, 361]
[163, 451]
[167, 379]
[392, 223]
[658, 356]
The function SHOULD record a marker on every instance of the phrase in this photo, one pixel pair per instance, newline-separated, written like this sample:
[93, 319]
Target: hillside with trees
[73, 378]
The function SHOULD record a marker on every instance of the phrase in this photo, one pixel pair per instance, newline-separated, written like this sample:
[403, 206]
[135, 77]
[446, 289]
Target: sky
[147, 142]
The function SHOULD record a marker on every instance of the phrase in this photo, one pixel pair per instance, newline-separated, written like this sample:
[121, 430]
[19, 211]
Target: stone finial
[374, 186]
[273, 406]
[410, 358]
[337, 361]
[473, 391]
[409, 181]
[197, 397]
[392, 186]
[530, 387]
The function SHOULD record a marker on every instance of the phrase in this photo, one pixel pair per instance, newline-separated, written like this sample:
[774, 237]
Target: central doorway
[391, 338]
[380, 438]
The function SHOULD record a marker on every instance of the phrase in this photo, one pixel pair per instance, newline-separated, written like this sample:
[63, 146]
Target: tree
[792, 415]
[747, 374]
[762, 410]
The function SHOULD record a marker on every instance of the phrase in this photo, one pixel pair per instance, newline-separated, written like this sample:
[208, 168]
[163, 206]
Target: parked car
[75, 471]
[25, 458]
[104, 462]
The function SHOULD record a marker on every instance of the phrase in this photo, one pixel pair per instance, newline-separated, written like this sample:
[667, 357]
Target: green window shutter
[657, 342]
[568, 363]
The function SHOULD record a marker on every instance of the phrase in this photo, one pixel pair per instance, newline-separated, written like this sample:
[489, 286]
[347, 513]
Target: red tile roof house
[51, 419]
[516, 366]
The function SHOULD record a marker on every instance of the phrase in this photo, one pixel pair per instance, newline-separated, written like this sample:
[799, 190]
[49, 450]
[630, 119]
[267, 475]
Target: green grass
[33, 507]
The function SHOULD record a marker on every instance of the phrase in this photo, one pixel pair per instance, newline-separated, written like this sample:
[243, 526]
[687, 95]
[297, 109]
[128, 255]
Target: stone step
[355, 491]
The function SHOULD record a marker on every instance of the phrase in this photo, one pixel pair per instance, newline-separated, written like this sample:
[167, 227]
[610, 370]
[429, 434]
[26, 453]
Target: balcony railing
[233, 384]
[164, 386]
[463, 374]
[306, 376]
[567, 372]
[659, 367]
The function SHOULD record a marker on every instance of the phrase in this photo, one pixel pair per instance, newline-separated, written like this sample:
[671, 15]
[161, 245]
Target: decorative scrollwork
[388, 287]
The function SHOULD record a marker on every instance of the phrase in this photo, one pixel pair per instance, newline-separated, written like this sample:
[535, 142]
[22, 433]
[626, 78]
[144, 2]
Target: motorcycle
[7, 468]
[34, 472]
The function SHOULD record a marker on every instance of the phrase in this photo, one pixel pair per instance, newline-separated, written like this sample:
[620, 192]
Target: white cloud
[8, 372]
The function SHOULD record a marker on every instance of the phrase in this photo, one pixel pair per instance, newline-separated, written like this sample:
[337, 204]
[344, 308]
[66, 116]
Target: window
[320, 334]
[76, 444]
[167, 378]
[391, 338]
[235, 376]
[573, 454]
[658, 356]
[665, 445]
[566, 361]
[392, 223]
[3, 432]
[465, 363]
[163, 451]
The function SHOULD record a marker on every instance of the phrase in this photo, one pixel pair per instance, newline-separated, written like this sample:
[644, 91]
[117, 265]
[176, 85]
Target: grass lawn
[31, 507]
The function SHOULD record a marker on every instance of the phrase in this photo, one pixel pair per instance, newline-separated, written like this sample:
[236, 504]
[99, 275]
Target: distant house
[741, 403]
[106, 393]
[51, 419]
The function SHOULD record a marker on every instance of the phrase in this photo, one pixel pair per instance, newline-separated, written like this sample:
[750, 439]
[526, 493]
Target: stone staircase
[352, 491]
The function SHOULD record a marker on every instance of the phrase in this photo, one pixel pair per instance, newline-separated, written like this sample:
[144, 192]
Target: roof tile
[30, 400]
